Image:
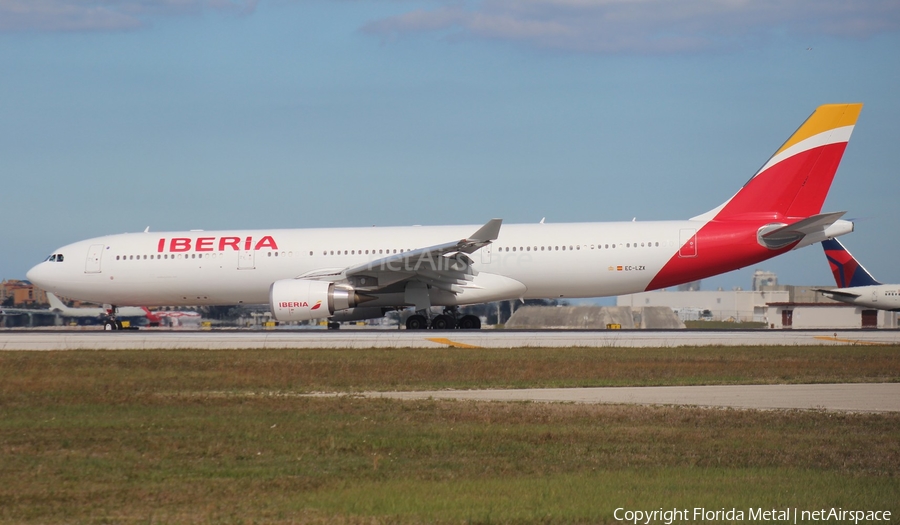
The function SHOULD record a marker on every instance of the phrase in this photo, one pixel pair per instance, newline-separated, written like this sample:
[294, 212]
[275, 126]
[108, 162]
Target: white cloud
[592, 26]
[103, 15]
[642, 26]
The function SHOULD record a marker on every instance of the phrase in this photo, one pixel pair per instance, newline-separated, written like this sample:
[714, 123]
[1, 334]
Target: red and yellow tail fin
[795, 180]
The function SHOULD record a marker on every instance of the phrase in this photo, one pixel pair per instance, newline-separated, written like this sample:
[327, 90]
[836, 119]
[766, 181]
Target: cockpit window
[59, 257]
[52, 257]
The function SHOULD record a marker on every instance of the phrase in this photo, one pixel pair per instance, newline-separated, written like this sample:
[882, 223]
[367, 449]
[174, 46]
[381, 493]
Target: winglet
[848, 273]
[487, 233]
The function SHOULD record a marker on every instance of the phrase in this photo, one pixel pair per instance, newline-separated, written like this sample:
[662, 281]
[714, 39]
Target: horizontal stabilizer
[837, 293]
[778, 235]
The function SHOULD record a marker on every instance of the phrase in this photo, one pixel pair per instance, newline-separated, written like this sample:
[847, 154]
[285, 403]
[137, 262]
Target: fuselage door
[92, 264]
[247, 260]
[486, 254]
[688, 240]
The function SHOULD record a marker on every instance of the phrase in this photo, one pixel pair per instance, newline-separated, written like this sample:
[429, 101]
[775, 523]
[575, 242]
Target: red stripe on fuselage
[721, 247]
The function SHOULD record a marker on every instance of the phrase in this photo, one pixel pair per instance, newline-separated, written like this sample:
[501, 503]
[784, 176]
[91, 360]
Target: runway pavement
[842, 397]
[153, 339]
[853, 397]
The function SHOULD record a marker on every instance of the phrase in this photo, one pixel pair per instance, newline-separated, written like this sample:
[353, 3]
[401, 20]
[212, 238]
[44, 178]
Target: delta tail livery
[356, 273]
[855, 284]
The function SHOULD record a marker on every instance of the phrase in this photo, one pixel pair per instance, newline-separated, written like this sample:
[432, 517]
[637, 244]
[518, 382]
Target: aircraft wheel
[333, 325]
[416, 322]
[443, 322]
[469, 322]
[110, 325]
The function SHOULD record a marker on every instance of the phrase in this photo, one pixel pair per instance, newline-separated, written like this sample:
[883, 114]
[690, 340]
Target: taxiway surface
[852, 397]
[153, 339]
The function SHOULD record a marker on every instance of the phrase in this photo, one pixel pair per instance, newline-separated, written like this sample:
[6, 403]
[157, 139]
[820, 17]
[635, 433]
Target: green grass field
[228, 437]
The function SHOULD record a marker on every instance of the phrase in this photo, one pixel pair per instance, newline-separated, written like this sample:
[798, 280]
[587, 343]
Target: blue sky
[116, 115]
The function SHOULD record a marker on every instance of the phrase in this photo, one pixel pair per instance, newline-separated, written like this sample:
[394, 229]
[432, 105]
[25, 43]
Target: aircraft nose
[37, 274]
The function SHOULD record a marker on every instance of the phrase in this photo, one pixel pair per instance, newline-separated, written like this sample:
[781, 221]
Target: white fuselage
[234, 267]
[880, 296]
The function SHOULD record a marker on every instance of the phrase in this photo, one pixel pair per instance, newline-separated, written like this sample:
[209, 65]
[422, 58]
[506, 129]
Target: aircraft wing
[837, 292]
[445, 266]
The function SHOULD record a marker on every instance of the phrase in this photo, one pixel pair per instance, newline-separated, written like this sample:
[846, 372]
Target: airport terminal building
[779, 306]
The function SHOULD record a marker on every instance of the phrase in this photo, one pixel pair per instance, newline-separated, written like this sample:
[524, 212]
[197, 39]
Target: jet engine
[305, 299]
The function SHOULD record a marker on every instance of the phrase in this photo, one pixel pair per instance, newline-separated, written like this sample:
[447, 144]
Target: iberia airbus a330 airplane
[357, 273]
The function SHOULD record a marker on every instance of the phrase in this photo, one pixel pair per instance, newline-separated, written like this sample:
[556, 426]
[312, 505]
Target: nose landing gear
[110, 323]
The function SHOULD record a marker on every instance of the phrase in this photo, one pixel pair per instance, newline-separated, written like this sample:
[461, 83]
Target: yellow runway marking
[851, 341]
[454, 344]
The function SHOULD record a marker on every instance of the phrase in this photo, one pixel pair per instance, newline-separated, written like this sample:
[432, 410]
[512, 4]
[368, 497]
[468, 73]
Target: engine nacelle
[305, 299]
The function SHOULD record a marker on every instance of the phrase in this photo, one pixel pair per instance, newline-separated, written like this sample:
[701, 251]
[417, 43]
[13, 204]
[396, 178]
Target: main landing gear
[416, 322]
[446, 321]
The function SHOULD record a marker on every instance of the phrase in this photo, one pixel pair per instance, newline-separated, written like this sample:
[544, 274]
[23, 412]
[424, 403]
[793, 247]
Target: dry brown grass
[96, 373]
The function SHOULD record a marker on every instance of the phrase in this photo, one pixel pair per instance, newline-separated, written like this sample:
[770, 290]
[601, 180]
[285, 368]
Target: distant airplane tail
[795, 180]
[56, 304]
[153, 318]
[848, 272]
